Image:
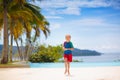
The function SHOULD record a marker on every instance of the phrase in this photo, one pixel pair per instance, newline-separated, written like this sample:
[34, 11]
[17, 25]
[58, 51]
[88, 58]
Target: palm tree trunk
[11, 48]
[20, 55]
[26, 52]
[5, 32]
[22, 48]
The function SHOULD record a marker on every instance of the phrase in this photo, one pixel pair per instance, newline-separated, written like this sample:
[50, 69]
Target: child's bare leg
[66, 65]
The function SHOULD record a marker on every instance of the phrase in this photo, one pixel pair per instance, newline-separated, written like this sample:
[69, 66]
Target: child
[67, 47]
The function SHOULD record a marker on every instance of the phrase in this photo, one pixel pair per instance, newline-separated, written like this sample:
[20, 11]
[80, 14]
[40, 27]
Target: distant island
[76, 52]
[14, 49]
[79, 52]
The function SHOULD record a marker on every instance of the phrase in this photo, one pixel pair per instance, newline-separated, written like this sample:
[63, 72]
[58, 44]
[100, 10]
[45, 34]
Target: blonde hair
[68, 35]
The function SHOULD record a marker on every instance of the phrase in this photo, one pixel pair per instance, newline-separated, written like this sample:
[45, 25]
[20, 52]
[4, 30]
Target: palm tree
[5, 21]
[39, 24]
[11, 48]
[5, 4]
[23, 17]
[4, 10]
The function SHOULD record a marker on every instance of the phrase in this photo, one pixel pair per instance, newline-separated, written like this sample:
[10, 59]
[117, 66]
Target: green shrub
[46, 54]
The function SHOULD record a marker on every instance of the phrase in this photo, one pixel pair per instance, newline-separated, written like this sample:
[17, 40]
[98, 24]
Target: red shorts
[68, 57]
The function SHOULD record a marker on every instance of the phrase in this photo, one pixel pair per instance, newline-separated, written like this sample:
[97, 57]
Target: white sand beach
[82, 73]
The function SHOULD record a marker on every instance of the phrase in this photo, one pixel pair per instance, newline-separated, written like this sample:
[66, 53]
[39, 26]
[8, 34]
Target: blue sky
[93, 24]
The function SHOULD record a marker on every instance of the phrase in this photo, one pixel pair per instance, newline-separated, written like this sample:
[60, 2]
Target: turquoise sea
[108, 57]
[88, 61]
[73, 64]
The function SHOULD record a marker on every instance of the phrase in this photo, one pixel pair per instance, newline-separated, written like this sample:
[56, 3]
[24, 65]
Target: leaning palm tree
[40, 24]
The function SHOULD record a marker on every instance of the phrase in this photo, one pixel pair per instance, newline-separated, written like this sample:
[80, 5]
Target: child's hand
[69, 49]
[65, 48]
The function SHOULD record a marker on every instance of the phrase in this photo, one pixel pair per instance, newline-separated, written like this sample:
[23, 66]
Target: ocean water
[109, 57]
[88, 61]
[73, 64]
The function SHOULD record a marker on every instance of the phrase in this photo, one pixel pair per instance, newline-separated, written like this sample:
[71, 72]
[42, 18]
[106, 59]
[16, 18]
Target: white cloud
[91, 22]
[95, 22]
[73, 3]
[74, 6]
[54, 26]
[95, 3]
[52, 3]
[115, 3]
[70, 10]
[54, 17]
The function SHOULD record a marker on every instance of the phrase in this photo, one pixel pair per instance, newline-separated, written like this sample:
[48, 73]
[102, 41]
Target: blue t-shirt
[68, 45]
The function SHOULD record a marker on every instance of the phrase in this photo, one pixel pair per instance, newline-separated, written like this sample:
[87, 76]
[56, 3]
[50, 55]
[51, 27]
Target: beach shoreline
[82, 73]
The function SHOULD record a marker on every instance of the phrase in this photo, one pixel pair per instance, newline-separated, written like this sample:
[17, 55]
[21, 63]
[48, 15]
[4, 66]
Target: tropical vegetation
[46, 54]
[18, 18]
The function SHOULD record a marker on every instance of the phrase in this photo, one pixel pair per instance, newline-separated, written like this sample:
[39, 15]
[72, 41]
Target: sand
[82, 73]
